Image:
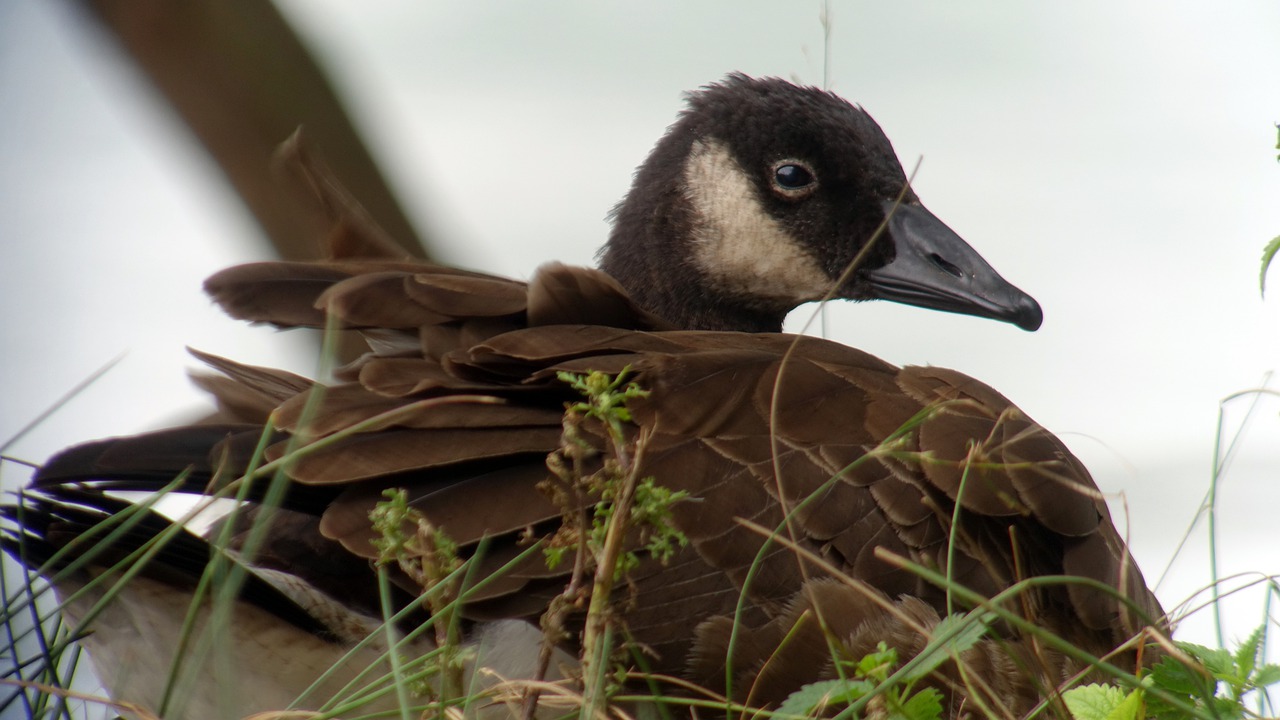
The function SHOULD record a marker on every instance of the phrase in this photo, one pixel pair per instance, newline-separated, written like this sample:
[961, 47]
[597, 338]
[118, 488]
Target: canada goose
[758, 198]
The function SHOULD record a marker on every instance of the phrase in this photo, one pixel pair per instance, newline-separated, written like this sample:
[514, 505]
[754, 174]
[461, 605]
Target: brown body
[811, 467]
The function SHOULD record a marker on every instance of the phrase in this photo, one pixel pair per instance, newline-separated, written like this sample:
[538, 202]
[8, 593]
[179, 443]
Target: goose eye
[792, 179]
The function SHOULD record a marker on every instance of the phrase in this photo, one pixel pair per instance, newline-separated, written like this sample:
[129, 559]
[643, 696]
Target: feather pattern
[865, 456]
[846, 459]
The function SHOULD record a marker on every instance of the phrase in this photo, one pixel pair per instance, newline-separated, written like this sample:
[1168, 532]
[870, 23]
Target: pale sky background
[1114, 159]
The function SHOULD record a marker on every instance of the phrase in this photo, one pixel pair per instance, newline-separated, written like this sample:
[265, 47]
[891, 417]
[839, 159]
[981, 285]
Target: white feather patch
[253, 662]
[736, 243]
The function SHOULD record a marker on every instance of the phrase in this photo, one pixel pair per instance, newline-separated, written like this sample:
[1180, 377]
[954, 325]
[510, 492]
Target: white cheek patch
[736, 244]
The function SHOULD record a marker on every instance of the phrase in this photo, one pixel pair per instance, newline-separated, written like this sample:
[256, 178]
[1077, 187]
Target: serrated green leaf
[1268, 254]
[1173, 676]
[969, 629]
[1216, 660]
[824, 694]
[1226, 708]
[1130, 708]
[1266, 675]
[1093, 702]
[808, 697]
[1247, 653]
[1193, 649]
[926, 662]
[878, 663]
[1160, 710]
[924, 705]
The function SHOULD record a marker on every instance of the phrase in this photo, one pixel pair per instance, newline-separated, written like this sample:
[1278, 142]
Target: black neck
[652, 261]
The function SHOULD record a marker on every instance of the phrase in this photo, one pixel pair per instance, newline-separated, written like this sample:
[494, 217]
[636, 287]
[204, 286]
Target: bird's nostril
[945, 266]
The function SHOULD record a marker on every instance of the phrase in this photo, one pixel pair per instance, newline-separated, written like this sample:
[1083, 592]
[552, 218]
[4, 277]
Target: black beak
[933, 268]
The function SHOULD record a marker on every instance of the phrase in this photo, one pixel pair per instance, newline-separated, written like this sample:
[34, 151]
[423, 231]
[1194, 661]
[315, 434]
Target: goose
[811, 475]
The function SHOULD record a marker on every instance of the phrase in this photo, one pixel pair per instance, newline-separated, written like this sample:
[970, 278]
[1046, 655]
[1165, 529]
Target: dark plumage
[750, 128]
[752, 426]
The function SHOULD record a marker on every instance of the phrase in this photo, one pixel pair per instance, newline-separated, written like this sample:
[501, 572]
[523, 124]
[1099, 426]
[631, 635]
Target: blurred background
[1115, 159]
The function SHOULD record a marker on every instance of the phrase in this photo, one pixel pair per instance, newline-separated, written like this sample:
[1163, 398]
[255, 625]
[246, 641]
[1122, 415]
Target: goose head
[765, 195]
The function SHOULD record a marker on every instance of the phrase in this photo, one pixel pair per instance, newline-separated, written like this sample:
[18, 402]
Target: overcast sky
[1114, 159]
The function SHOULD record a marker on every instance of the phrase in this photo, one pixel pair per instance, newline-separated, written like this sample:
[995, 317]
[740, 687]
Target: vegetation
[603, 500]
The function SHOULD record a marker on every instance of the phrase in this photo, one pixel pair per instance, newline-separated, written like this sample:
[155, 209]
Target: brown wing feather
[839, 451]
[566, 295]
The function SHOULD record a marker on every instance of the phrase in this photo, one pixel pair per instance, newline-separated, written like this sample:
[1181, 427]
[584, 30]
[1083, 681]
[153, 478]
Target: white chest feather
[249, 661]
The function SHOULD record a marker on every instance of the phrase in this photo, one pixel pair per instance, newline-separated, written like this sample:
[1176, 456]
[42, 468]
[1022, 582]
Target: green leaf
[969, 629]
[1098, 702]
[1216, 660]
[877, 665]
[823, 694]
[924, 705]
[1268, 253]
[1173, 676]
[1226, 708]
[1130, 709]
[1266, 675]
[1248, 652]
[809, 698]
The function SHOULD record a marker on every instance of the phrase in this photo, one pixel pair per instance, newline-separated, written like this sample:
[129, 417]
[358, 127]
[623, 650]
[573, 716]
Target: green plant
[1213, 681]
[429, 558]
[873, 681]
[602, 499]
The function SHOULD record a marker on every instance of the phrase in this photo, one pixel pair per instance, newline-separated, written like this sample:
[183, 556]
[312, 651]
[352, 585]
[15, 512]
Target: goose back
[843, 455]
[811, 468]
